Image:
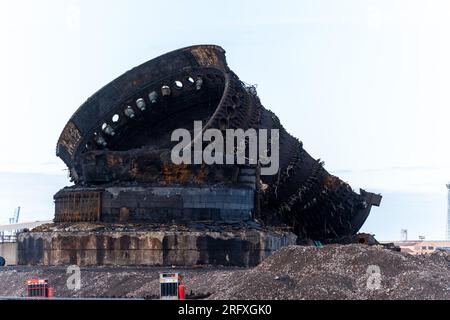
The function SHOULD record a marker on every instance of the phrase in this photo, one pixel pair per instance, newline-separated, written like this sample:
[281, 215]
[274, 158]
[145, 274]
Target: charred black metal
[120, 138]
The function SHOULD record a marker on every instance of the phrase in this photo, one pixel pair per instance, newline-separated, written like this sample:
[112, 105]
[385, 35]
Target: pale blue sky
[364, 84]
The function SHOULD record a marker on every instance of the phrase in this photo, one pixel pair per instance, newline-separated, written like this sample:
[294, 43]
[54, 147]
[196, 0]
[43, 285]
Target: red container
[181, 292]
[39, 288]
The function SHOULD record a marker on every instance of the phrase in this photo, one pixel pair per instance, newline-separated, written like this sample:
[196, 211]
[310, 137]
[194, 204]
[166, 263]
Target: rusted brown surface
[78, 206]
[70, 137]
[205, 56]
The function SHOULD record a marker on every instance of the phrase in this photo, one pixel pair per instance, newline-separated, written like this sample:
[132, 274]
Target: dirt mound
[119, 282]
[297, 272]
[342, 272]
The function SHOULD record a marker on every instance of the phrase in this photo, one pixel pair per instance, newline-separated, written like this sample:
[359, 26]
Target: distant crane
[13, 220]
[404, 234]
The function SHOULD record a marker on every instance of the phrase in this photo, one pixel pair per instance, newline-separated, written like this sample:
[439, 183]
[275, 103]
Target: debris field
[294, 272]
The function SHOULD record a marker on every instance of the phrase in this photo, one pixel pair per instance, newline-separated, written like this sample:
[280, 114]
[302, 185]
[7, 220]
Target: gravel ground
[115, 282]
[296, 272]
[341, 272]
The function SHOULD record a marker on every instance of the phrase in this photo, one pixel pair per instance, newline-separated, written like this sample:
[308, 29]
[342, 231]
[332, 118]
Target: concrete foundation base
[151, 248]
[8, 250]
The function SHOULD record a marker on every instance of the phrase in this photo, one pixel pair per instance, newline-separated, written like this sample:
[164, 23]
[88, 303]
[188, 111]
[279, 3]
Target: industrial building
[423, 246]
[448, 212]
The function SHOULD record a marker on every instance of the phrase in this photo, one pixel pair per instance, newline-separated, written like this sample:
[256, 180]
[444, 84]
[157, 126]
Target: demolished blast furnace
[117, 147]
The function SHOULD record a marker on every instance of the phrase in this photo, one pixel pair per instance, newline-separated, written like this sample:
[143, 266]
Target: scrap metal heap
[117, 147]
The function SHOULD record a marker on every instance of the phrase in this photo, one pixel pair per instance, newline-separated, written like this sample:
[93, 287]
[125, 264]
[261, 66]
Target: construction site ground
[295, 272]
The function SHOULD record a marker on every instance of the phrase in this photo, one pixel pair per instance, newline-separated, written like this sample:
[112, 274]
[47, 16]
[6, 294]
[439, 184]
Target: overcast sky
[364, 84]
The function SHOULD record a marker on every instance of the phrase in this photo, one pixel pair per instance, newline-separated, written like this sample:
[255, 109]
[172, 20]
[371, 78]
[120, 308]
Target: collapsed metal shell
[142, 108]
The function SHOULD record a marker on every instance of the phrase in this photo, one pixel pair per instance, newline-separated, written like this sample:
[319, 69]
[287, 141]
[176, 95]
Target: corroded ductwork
[120, 138]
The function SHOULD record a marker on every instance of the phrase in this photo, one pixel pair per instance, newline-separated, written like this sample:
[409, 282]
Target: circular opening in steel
[178, 84]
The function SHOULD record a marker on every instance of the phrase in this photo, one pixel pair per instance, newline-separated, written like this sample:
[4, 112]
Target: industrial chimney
[448, 213]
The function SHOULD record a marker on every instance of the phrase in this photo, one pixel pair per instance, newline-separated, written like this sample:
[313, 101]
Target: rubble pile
[342, 272]
[295, 272]
[115, 282]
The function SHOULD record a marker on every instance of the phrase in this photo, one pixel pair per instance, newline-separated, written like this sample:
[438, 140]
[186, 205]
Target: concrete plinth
[239, 247]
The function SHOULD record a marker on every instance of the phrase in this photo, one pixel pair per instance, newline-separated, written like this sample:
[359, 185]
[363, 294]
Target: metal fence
[7, 238]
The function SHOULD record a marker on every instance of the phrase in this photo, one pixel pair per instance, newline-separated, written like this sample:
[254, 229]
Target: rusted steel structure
[120, 138]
